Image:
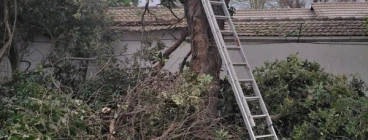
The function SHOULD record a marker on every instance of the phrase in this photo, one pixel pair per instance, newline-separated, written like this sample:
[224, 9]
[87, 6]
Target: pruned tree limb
[182, 65]
[146, 9]
[182, 38]
[167, 132]
[112, 129]
[103, 68]
[173, 47]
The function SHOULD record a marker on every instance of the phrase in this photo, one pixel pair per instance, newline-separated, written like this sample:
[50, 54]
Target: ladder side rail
[254, 83]
[232, 28]
[228, 62]
[265, 111]
[220, 46]
[235, 34]
[228, 59]
[220, 43]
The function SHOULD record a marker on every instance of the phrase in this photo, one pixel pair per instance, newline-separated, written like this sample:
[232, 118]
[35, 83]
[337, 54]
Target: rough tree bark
[205, 56]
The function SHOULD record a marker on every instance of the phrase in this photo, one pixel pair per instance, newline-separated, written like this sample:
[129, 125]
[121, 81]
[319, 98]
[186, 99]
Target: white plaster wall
[334, 57]
[132, 42]
[37, 51]
[337, 58]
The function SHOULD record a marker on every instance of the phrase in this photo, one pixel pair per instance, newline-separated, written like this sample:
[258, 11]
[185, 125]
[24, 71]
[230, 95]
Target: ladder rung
[252, 98]
[264, 136]
[222, 17]
[233, 48]
[239, 64]
[227, 32]
[245, 80]
[227, 41]
[259, 116]
[216, 2]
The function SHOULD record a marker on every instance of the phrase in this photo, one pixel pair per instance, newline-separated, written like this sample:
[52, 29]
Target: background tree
[251, 4]
[292, 3]
[8, 26]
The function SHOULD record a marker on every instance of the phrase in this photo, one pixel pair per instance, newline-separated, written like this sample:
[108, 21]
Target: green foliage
[76, 28]
[57, 101]
[310, 99]
[188, 92]
[106, 88]
[125, 3]
[31, 110]
[151, 51]
[229, 111]
[312, 103]
[221, 135]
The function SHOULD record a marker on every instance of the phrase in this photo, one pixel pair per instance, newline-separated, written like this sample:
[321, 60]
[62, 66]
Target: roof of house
[323, 19]
[157, 18]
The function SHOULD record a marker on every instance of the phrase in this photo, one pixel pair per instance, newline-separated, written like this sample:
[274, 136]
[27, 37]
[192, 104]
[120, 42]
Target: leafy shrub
[309, 102]
[33, 109]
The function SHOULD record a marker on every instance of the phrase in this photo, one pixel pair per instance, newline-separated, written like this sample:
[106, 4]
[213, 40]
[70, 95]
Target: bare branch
[166, 133]
[10, 31]
[182, 38]
[104, 67]
[66, 58]
[184, 60]
[175, 46]
[172, 12]
[112, 129]
[146, 8]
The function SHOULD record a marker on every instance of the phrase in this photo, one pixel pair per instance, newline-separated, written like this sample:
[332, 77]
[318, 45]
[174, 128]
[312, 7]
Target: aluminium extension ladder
[245, 102]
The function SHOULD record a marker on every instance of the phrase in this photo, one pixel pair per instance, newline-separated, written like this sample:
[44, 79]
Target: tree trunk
[205, 55]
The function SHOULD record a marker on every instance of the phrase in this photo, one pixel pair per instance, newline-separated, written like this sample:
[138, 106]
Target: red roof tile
[156, 19]
[324, 19]
[310, 27]
[273, 14]
[344, 9]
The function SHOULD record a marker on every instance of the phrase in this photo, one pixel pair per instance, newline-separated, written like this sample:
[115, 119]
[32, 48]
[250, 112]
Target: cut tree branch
[182, 38]
[175, 46]
[167, 132]
[182, 65]
[146, 9]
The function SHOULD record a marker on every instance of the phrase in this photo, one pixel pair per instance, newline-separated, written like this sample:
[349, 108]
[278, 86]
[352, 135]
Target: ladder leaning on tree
[251, 104]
